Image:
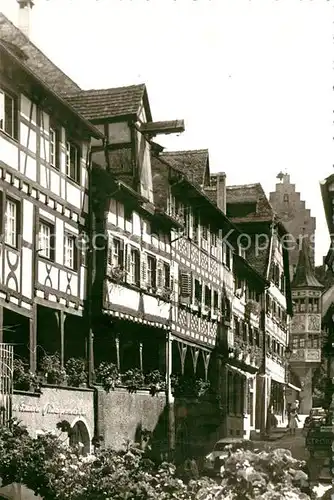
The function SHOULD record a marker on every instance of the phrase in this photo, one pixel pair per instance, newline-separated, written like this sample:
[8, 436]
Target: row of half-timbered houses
[133, 260]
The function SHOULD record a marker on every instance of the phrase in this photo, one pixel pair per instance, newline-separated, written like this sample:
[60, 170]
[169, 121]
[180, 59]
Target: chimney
[25, 8]
[221, 191]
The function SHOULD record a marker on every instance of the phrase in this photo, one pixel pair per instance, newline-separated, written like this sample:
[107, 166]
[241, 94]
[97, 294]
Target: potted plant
[23, 378]
[155, 381]
[108, 376]
[76, 372]
[133, 379]
[252, 307]
[52, 370]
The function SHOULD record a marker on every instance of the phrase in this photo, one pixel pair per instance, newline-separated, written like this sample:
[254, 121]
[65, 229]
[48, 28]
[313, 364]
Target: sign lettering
[48, 409]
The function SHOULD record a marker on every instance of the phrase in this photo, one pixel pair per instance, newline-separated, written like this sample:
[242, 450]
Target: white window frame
[151, 266]
[3, 118]
[69, 251]
[53, 147]
[133, 263]
[70, 146]
[115, 252]
[45, 240]
[11, 222]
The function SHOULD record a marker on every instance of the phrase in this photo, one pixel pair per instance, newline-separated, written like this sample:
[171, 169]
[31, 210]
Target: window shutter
[110, 249]
[167, 276]
[143, 273]
[121, 254]
[185, 284]
[137, 268]
[160, 269]
[127, 262]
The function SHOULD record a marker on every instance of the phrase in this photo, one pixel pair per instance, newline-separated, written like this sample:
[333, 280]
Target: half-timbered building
[266, 250]
[44, 160]
[207, 266]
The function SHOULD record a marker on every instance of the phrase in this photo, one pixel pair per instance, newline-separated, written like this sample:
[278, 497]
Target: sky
[253, 79]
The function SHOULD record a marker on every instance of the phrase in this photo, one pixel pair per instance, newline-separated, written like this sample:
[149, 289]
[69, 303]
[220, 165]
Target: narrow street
[296, 444]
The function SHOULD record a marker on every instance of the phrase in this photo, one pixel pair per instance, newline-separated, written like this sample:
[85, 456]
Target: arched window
[286, 198]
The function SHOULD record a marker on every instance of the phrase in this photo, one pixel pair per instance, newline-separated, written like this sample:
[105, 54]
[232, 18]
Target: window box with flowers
[133, 380]
[155, 382]
[108, 376]
[252, 307]
[116, 273]
[23, 378]
[76, 372]
[52, 371]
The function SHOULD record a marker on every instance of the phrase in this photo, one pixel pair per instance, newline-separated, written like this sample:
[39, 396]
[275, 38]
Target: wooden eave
[195, 193]
[168, 220]
[163, 127]
[51, 96]
[242, 263]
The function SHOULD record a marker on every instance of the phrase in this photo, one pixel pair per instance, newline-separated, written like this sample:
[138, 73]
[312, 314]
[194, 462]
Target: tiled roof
[304, 275]
[192, 163]
[107, 103]
[34, 59]
[243, 193]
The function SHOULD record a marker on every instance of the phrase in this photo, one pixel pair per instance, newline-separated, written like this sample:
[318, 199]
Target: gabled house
[265, 248]
[44, 170]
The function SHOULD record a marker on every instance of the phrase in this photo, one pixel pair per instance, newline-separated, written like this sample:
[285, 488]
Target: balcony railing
[308, 355]
[6, 382]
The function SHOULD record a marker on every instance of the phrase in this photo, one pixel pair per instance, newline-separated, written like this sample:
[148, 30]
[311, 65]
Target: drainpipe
[90, 272]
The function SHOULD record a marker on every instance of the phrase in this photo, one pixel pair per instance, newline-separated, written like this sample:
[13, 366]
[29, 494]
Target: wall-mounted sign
[48, 409]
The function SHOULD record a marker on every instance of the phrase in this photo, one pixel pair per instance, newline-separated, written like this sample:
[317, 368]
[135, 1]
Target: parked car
[215, 459]
[316, 417]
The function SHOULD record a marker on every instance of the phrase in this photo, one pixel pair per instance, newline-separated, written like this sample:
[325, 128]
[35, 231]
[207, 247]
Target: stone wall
[41, 412]
[123, 416]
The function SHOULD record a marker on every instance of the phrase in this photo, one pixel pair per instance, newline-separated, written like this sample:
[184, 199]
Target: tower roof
[304, 276]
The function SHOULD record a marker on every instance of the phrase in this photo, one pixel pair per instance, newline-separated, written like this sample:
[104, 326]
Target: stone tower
[305, 328]
[297, 219]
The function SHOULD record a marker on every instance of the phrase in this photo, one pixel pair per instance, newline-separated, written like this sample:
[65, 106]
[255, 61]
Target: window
[54, 147]
[70, 251]
[12, 223]
[134, 266]
[215, 302]
[151, 272]
[204, 232]
[207, 297]
[301, 305]
[8, 118]
[295, 342]
[166, 275]
[115, 254]
[286, 198]
[227, 256]
[236, 326]
[250, 335]
[185, 285]
[46, 243]
[257, 337]
[72, 161]
[128, 219]
[195, 226]
[198, 293]
[244, 331]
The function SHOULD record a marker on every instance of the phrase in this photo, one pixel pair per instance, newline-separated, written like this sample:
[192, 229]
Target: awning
[236, 369]
[298, 389]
